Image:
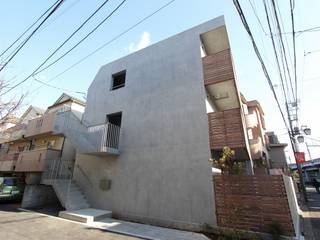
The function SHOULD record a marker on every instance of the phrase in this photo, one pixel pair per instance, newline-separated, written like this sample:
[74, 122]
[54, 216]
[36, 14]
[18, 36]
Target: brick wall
[252, 203]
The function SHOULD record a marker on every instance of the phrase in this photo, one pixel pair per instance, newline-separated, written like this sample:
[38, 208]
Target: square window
[118, 80]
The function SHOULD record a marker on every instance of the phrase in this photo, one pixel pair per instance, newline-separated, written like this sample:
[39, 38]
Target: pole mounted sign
[300, 157]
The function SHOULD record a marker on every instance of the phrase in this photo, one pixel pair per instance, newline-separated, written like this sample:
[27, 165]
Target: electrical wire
[277, 58]
[257, 17]
[33, 32]
[14, 42]
[57, 49]
[46, 25]
[265, 71]
[292, 5]
[59, 88]
[82, 40]
[107, 43]
[283, 47]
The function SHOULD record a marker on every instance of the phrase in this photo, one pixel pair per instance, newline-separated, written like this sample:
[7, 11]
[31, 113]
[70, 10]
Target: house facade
[33, 144]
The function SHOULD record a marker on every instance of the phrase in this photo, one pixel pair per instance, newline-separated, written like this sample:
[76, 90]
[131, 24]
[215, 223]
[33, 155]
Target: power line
[83, 39]
[276, 56]
[59, 88]
[13, 43]
[246, 26]
[57, 49]
[109, 42]
[257, 17]
[283, 47]
[46, 25]
[292, 4]
[33, 32]
[290, 132]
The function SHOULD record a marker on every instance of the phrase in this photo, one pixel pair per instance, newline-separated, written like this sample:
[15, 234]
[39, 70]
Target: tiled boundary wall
[251, 203]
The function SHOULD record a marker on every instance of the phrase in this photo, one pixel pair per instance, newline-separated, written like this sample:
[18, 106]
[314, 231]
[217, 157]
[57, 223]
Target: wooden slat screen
[217, 67]
[225, 129]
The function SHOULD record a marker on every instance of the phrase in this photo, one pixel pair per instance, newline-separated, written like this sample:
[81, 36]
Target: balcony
[256, 148]
[217, 67]
[219, 80]
[34, 160]
[105, 138]
[251, 121]
[8, 162]
[40, 126]
[100, 139]
[225, 129]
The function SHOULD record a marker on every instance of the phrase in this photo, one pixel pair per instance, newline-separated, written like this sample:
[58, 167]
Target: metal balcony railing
[97, 139]
[109, 135]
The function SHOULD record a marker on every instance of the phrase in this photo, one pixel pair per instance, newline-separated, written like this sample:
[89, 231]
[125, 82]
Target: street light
[300, 139]
[307, 131]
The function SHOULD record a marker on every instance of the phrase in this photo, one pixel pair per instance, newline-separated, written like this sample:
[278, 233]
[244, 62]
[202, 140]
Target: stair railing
[58, 173]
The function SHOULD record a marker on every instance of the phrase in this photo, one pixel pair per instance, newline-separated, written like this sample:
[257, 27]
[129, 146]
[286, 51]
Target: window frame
[117, 74]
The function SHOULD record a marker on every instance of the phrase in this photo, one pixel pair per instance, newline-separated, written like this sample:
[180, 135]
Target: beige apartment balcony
[251, 121]
[8, 161]
[34, 160]
[256, 148]
[42, 125]
[18, 132]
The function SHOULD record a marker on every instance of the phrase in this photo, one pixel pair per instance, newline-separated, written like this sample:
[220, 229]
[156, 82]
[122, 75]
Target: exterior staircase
[74, 201]
[99, 139]
[70, 195]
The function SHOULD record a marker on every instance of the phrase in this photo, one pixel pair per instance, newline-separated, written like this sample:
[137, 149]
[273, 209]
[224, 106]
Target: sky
[16, 16]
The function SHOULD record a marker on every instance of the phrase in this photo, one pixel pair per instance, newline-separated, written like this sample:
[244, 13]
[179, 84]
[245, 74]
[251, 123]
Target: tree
[227, 162]
[8, 107]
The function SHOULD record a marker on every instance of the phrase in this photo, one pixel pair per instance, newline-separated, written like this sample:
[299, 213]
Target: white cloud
[143, 42]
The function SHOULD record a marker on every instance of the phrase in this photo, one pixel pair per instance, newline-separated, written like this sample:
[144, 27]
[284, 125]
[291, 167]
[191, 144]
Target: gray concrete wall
[38, 195]
[162, 175]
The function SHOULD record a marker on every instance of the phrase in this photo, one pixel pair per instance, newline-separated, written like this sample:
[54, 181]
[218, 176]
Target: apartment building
[34, 144]
[13, 141]
[152, 121]
[141, 145]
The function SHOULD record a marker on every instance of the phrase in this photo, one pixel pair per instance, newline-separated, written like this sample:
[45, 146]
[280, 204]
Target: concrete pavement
[311, 215]
[17, 225]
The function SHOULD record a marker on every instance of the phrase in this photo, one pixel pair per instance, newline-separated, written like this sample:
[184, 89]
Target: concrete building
[152, 121]
[278, 159]
[141, 145]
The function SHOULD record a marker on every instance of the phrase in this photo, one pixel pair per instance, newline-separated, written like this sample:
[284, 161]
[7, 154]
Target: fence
[252, 203]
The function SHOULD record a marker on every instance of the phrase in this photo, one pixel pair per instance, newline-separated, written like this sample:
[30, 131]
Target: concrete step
[86, 215]
[78, 206]
[76, 201]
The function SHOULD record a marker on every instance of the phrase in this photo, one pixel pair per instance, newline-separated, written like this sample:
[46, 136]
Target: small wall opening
[118, 80]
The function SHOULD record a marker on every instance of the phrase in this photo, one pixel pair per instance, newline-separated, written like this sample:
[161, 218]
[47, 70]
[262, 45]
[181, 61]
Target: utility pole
[295, 147]
[309, 153]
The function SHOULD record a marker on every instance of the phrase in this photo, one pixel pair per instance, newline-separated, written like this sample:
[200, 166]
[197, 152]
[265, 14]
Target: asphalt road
[18, 225]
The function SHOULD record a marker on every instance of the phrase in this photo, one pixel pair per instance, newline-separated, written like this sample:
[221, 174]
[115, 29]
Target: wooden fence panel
[252, 203]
